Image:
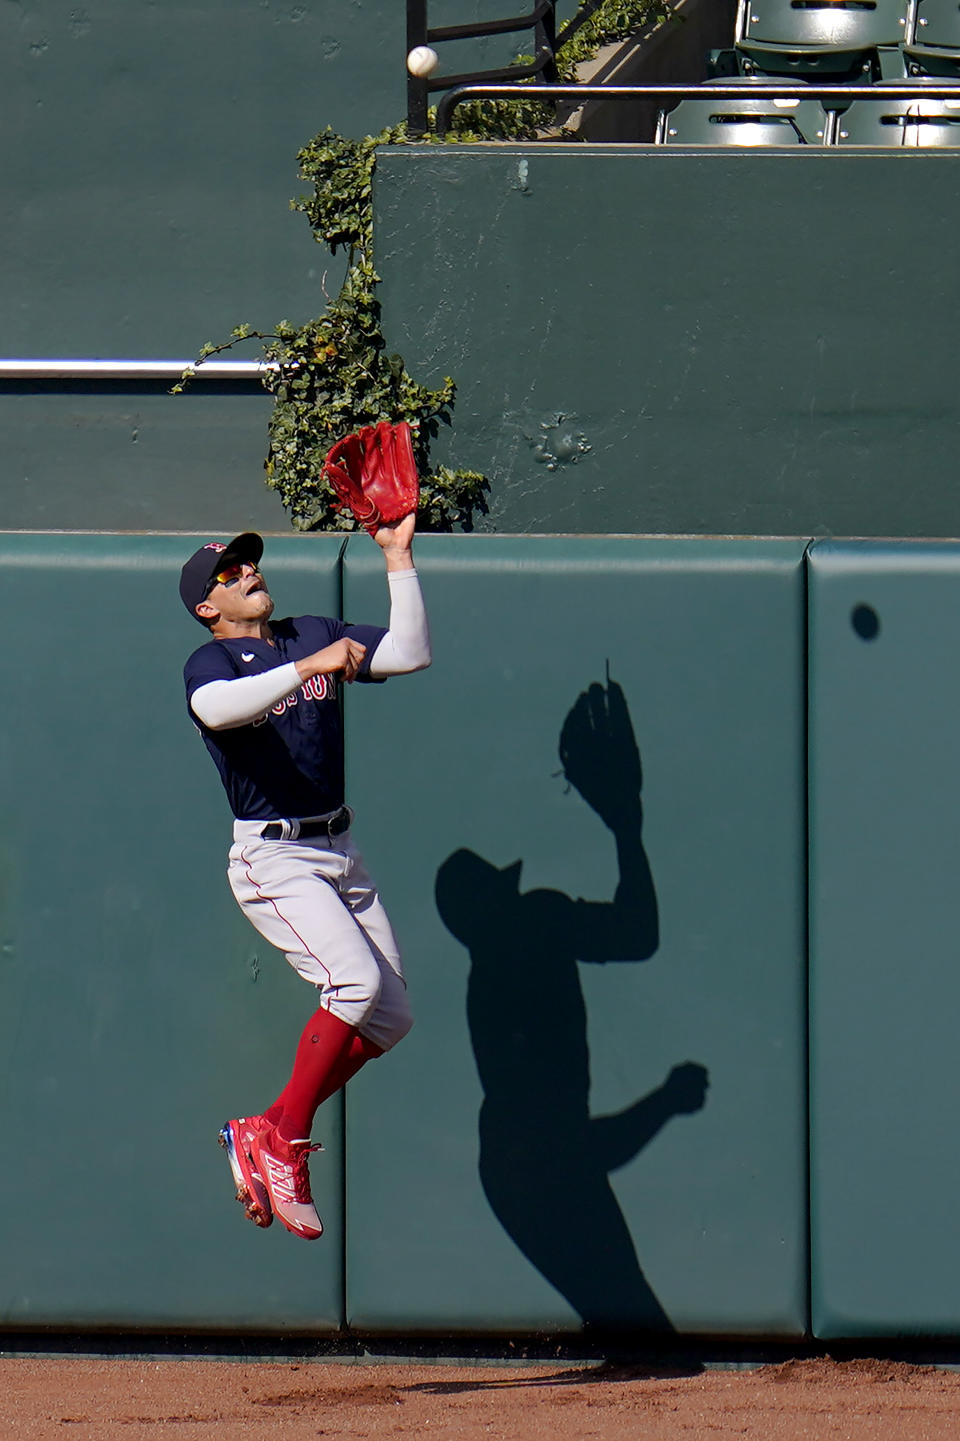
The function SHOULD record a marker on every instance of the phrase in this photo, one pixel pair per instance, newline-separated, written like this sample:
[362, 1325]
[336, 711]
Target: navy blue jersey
[290, 762]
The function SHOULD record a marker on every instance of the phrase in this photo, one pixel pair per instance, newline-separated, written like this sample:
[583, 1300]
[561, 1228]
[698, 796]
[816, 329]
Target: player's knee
[365, 992]
[389, 1023]
[358, 998]
[397, 1025]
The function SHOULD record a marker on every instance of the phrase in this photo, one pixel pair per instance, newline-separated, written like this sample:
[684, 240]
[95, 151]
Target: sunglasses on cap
[229, 575]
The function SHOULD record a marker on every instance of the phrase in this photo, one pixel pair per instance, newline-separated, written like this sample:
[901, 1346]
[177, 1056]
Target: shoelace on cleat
[301, 1173]
[291, 1179]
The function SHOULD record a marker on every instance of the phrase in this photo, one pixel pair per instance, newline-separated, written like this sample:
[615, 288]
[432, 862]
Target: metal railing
[668, 96]
[546, 45]
[133, 370]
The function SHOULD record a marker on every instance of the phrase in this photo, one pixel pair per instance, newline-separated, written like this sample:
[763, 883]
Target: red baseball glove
[374, 473]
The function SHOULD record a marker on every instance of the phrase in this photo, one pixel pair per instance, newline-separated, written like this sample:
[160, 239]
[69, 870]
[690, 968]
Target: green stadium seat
[932, 45]
[892, 64]
[900, 124]
[790, 120]
[818, 38]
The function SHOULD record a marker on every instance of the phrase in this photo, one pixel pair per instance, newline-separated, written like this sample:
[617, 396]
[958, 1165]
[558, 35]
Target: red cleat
[283, 1167]
[237, 1137]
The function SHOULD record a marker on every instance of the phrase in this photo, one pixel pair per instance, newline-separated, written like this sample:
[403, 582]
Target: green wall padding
[138, 1009]
[885, 985]
[704, 1228]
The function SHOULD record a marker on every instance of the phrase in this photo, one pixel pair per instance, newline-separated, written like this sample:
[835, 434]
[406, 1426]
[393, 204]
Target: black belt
[335, 825]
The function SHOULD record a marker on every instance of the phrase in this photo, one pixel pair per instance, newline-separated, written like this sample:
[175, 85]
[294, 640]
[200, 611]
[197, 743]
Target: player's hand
[343, 658]
[395, 539]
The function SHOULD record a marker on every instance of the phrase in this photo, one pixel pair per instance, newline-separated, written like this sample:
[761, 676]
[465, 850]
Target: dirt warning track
[291, 1401]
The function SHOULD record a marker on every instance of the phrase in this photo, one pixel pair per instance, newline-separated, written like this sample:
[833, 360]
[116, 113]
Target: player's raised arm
[375, 475]
[406, 646]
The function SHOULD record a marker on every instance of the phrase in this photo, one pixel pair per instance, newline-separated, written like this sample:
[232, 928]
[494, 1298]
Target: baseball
[422, 61]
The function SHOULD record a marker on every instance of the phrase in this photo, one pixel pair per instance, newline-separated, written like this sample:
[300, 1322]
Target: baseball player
[264, 696]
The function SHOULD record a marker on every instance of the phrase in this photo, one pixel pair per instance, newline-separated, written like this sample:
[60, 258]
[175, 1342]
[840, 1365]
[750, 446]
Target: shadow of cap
[468, 889]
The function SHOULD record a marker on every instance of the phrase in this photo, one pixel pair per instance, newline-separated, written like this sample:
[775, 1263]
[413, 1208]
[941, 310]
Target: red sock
[323, 1044]
[329, 1053]
[361, 1051]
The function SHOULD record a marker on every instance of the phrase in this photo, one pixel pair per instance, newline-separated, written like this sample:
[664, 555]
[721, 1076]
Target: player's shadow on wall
[544, 1160]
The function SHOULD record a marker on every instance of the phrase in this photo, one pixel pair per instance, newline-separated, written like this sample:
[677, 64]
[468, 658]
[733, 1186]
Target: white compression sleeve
[225, 704]
[406, 645]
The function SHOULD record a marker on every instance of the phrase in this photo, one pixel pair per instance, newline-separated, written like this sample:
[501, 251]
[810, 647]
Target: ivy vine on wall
[333, 374]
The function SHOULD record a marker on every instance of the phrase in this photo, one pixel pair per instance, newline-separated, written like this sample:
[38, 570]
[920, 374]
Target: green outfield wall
[150, 160]
[600, 1118]
[884, 806]
[702, 1083]
[666, 339]
[644, 338]
[152, 156]
[138, 1010]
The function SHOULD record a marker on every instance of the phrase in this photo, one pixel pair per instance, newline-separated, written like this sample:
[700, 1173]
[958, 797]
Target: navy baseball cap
[203, 565]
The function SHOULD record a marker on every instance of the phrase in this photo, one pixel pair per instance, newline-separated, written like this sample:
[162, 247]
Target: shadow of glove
[599, 754]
